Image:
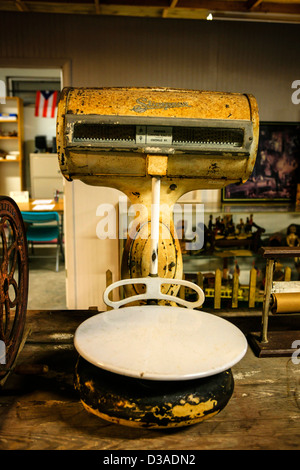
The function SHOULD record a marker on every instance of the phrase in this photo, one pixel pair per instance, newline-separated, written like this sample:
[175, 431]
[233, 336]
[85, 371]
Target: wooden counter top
[44, 412]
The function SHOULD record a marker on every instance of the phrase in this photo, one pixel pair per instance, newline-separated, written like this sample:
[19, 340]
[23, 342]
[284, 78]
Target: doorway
[47, 288]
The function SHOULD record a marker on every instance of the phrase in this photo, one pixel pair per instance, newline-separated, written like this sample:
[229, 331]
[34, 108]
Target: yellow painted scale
[160, 361]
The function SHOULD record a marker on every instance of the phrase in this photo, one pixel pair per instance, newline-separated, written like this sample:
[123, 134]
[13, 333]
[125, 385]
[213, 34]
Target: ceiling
[286, 11]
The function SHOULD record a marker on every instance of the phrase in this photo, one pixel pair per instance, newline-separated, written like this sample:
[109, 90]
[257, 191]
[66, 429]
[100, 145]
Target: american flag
[45, 103]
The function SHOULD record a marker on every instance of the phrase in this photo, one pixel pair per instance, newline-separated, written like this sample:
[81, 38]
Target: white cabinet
[45, 175]
[87, 256]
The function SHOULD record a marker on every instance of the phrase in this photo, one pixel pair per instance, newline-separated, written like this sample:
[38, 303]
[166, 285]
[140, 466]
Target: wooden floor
[44, 412]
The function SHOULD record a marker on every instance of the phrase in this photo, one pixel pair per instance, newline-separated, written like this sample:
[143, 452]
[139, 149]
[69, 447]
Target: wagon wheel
[13, 283]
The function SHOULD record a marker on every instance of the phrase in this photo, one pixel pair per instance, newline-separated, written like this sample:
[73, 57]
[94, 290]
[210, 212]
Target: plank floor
[40, 412]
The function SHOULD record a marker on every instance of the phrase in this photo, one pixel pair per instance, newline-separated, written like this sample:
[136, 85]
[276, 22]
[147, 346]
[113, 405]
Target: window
[26, 87]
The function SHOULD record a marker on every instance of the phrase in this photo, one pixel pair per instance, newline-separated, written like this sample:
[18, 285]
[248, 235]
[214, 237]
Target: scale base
[150, 403]
[279, 343]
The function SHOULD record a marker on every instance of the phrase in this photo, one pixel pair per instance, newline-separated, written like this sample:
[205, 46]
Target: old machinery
[156, 364]
[121, 137]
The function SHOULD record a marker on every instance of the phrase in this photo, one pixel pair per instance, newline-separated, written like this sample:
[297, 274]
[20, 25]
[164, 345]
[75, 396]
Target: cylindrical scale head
[121, 137]
[144, 141]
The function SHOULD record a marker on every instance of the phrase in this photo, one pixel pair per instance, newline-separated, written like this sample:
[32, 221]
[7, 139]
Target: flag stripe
[45, 108]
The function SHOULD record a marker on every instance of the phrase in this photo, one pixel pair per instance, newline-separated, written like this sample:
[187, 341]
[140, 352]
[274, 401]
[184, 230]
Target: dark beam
[21, 6]
[250, 4]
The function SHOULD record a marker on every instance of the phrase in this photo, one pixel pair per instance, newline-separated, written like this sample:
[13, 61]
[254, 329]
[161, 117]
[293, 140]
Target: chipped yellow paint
[90, 385]
[193, 399]
[138, 423]
[191, 103]
[189, 411]
[157, 165]
[192, 410]
[124, 404]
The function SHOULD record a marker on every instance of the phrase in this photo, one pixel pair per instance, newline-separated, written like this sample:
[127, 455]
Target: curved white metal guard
[153, 291]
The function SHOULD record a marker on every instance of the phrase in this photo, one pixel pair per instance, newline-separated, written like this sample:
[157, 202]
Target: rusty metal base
[279, 343]
[151, 404]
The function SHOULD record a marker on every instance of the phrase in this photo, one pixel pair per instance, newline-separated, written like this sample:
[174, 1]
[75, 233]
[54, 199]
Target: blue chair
[39, 231]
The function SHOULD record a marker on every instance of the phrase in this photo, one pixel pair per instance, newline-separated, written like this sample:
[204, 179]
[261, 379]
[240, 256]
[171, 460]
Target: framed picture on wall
[277, 168]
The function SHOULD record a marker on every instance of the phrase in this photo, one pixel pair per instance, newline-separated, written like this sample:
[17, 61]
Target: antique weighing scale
[154, 360]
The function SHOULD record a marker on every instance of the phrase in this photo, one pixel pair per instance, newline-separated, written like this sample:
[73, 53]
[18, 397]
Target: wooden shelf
[8, 137]
[12, 177]
[241, 208]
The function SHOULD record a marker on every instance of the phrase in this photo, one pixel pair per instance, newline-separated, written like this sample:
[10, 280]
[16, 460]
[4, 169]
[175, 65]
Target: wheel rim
[13, 281]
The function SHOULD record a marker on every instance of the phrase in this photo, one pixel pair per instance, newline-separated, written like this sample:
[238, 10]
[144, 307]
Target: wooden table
[30, 206]
[44, 411]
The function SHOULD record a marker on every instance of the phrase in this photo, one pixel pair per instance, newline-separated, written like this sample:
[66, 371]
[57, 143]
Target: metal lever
[155, 208]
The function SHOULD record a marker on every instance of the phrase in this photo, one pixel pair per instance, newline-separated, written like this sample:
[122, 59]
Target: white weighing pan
[160, 342]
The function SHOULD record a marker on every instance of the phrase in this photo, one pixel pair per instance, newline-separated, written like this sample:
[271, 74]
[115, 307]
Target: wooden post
[267, 298]
[235, 289]
[252, 288]
[287, 274]
[200, 282]
[218, 285]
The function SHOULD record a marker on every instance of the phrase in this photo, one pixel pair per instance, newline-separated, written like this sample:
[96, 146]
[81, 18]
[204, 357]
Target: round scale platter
[160, 342]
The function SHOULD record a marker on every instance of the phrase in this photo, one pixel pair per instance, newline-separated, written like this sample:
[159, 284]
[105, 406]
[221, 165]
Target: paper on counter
[43, 207]
[42, 201]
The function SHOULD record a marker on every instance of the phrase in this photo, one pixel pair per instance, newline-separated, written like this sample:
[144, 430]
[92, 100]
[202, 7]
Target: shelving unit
[11, 145]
